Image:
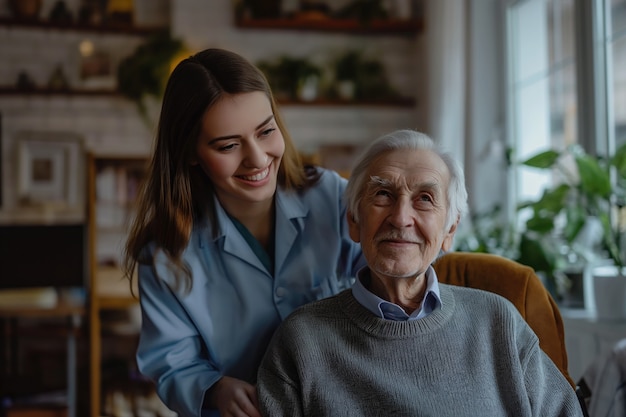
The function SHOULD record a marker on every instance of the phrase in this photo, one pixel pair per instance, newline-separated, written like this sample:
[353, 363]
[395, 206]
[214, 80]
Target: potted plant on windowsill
[590, 194]
[577, 222]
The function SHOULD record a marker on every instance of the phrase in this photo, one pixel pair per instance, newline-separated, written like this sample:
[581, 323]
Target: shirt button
[280, 292]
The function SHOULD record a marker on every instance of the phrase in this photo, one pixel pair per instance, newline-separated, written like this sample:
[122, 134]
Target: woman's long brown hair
[175, 193]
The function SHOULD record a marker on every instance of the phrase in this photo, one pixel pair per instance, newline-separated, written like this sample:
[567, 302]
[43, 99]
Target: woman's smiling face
[240, 149]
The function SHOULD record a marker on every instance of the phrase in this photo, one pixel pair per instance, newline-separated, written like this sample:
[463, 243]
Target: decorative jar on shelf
[25, 9]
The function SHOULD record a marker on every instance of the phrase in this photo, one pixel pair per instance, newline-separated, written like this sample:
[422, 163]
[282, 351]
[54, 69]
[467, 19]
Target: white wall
[211, 24]
[485, 164]
[111, 125]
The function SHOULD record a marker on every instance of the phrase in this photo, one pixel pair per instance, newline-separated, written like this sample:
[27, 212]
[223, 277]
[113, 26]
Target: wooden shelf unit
[63, 319]
[330, 25]
[108, 29]
[46, 92]
[352, 26]
[110, 291]
[50, 92]
[324, 102]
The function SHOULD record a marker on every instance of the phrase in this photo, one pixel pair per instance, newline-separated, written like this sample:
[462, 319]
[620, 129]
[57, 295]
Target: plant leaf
[542, 160]
[594, 179]
[541, 225]
[610, 240]
[576, 218]
[534, 253]
[619, 161]
[551, 201]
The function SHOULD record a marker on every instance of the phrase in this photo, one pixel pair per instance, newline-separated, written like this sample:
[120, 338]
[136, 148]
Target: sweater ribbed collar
[376, 326]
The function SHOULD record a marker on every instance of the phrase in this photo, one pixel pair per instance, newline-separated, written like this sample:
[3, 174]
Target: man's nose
[402, 212]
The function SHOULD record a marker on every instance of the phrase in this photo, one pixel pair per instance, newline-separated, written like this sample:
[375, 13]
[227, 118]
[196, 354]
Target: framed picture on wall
[50, 170]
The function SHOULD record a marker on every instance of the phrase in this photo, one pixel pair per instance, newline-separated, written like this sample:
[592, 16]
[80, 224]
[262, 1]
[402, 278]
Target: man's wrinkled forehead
[411, 168]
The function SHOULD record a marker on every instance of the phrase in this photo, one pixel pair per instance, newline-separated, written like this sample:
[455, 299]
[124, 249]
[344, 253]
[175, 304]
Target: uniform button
[280, 292]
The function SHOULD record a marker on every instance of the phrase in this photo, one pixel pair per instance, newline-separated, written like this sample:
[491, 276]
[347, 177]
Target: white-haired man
[398, 343]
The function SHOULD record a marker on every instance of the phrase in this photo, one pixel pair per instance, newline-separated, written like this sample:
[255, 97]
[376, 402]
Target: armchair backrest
[520, 285]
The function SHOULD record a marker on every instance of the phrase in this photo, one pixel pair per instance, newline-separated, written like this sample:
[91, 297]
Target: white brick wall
[211, 24]
[111, 125]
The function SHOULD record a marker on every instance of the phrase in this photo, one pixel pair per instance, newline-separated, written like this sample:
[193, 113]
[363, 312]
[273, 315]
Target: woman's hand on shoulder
[234, 398]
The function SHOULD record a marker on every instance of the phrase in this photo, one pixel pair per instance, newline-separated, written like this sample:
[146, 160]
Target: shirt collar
[390, 311]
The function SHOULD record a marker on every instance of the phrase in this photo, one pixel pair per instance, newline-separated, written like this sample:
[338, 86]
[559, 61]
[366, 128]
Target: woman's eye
[226, 147]
[268, 131]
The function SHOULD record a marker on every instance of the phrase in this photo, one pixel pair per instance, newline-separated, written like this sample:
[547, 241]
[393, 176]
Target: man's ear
[449, 236]
[353, 227]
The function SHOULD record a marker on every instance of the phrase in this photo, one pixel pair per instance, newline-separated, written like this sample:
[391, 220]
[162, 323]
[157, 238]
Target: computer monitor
[43, 255]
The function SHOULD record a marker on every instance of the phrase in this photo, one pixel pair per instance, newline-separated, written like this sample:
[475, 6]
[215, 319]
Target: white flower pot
[609, 290]
[346, 90]
[307, 90]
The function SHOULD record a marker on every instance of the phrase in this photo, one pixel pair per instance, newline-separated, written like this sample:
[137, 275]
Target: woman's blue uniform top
[223, 325]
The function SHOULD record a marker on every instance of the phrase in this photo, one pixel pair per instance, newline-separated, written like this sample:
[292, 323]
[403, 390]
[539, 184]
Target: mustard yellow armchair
[520, 285]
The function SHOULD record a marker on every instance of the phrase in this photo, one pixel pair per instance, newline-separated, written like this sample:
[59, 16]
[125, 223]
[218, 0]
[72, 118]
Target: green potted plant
[365, 11]
[584, 193]
[346, 71]
[144, 73]
[358, 77]
[292, 78]
[258, 9]
[590, 192]
[552, 237]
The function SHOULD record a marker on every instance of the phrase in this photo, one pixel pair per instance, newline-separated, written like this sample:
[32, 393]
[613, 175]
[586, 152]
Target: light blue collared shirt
[390, 311]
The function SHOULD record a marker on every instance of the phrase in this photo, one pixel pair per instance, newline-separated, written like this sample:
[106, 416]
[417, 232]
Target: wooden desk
[65, 308]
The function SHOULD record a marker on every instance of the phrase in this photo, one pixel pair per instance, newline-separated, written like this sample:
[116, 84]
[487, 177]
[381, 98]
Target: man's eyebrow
[431, 187]
[379, 181]
[376, 181]
[227, 137]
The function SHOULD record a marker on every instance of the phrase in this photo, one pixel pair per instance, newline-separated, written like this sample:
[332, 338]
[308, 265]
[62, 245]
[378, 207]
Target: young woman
[231, 235]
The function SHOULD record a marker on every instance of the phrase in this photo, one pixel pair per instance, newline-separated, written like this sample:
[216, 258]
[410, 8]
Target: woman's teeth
[257, 177]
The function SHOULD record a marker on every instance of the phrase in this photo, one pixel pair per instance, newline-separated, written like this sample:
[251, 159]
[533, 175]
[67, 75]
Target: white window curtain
[447, 72]
[466, 94]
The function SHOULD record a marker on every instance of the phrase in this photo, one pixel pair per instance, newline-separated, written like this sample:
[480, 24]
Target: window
[542, 84]
[566, 81]
[616, 47]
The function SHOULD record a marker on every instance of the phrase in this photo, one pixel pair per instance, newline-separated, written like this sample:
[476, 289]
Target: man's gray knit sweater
[476, 356]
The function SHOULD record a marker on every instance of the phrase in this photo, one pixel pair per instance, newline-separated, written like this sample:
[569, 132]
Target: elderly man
[398, 343]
